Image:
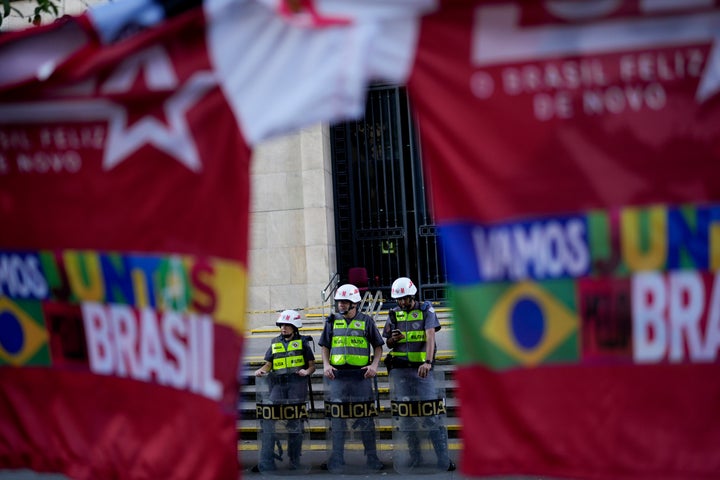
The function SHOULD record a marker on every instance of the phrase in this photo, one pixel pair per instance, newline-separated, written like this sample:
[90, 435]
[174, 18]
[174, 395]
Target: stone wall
[292, 246]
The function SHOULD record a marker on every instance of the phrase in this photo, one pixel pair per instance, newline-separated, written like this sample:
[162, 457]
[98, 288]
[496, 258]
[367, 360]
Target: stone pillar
[292, 233]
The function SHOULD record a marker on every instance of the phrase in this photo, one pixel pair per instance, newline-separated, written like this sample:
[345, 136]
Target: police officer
[291, 361]
[410, 330]
[348, 339]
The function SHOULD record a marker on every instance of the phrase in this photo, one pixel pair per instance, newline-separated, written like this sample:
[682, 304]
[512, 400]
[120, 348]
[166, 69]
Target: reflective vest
[290, 360]
[412, 347]
[349, 345]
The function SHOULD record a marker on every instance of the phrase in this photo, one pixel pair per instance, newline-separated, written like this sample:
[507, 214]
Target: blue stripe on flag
[540, 249]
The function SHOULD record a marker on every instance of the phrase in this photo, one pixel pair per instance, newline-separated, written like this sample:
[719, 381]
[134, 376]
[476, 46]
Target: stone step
[383, 445]
[445, 371]
[445, 360]
[316, 324]
[257, 343]
[446, 383]
[318, 429]
[441, 310]
[317, 424]
[443, 368]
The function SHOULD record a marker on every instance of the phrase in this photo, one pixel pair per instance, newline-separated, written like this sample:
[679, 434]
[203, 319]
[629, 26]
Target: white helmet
[348, 292]
[290, 317]
[402, 287]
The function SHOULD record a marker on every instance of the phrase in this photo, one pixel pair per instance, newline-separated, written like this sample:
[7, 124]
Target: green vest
[290, 360]
[412, 347]
[349, 345]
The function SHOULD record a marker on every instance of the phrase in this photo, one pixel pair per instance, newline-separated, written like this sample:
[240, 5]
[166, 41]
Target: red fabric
[600, 423]
[491, 159]
[59, 192]
[91, 427]
[491, 156]
[159, 203]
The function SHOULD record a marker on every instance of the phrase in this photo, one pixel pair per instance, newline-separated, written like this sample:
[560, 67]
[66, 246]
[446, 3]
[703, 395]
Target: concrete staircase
[257, 343]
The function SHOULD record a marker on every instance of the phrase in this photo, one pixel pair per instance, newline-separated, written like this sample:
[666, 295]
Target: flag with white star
[125, 147]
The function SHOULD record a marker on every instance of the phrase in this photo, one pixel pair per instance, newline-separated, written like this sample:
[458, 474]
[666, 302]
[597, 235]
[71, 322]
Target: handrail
[375, 303]
[330, 286]
[379, 301]
[328, 291]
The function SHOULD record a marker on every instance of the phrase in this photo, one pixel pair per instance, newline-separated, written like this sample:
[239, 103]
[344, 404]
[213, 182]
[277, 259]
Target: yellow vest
[349, 345]
[290, 360]
[412, 347]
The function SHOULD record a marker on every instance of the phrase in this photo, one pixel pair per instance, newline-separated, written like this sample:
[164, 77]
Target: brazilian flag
[23, 336]
[521, 324]
[176, 292]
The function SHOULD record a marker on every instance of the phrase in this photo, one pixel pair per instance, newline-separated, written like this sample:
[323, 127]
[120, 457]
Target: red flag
[573, 152]
[124, 259]
[124, 189]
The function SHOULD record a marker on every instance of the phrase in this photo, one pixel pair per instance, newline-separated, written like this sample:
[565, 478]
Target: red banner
[124, 190]
[572, 150]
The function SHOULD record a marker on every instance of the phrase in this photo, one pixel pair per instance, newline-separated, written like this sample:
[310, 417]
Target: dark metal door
[382, 218]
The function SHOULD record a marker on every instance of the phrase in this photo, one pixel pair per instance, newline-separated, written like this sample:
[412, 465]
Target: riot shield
[281, 412]
[418, 410]
[350, 411]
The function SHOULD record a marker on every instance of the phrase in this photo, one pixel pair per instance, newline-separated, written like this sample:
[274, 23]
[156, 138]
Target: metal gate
[382, 218]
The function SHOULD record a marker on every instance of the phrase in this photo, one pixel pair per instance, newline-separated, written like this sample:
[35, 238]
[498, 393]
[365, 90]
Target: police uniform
[286, 387]
[351, 342]
[403, 362]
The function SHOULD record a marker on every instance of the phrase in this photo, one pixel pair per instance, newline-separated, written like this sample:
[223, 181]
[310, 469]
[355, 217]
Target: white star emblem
[156, 69]
[174, 139]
